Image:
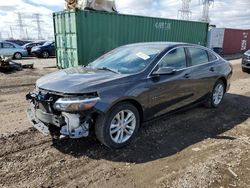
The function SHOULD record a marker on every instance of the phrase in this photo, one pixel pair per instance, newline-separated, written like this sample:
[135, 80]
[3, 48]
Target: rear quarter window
[211, 56]
[198, 56]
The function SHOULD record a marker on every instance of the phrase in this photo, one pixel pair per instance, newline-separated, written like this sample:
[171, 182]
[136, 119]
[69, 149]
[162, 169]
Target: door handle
[187, 76]
[212, 69]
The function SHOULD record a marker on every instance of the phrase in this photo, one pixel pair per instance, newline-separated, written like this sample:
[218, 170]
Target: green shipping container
[82, 36]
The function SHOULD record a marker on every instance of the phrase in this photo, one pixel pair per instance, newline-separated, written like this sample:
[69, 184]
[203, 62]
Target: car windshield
[128, 59]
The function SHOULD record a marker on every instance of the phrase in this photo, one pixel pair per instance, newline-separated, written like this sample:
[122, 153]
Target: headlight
[74, 104]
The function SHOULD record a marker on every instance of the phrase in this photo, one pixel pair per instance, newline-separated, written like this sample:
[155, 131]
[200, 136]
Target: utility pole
[20, 25]
[205, 12]
[185, 13]
[11, 32]
[38, 22]
[27, 36]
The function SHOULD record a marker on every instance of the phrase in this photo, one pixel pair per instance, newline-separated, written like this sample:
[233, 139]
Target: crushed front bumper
[50, 122]
[40, 126]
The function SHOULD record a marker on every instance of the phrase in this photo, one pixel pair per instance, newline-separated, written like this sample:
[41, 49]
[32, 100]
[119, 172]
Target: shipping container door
[66, 42]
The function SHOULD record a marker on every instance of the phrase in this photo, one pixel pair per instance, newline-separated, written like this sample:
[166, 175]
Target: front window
[175, 59]
[128, 59]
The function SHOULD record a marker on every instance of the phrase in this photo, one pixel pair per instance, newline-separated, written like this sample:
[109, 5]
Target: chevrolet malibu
[114, 94]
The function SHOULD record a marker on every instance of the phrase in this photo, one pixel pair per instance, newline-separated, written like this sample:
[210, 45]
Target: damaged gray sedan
[129, 85]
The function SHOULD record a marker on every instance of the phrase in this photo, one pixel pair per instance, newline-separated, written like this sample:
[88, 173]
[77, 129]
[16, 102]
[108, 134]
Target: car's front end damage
[62, 114]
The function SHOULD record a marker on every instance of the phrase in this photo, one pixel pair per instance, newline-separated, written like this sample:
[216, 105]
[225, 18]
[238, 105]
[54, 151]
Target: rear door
[170, 92]
[203, 71]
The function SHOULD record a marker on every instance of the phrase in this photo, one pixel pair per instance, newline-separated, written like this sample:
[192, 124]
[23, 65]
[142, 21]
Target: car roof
[35, 42]
[8, 42]
[162, 44]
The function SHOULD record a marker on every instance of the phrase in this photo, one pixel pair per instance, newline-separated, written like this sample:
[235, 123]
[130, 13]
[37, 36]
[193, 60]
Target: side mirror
[164, 71]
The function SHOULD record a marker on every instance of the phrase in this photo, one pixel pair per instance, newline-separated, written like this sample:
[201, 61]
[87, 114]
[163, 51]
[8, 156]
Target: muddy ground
[197, 148]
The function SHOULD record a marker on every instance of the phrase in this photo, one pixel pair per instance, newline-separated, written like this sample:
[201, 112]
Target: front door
[170, 92]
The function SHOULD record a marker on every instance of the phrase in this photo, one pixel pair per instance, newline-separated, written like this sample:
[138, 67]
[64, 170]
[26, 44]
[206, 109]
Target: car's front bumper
[24, 53]
[40, 126]
[246, 63]
[36, 53]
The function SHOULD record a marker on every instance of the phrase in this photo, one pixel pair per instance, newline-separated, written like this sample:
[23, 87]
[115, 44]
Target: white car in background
[9, 49]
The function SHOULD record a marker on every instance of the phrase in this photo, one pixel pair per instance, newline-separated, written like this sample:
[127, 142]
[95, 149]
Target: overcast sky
[223, 13]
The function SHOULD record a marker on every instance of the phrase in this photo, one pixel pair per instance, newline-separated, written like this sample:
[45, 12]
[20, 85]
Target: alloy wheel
[122, 126]
[45, 54]
[18, 55]
[218, 94]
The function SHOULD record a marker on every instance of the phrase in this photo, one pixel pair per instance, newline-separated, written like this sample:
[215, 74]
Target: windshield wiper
[109, 69]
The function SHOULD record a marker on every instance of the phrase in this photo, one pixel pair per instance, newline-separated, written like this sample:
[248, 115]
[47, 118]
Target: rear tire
[217, 95]
[119, 126]
[17, 55]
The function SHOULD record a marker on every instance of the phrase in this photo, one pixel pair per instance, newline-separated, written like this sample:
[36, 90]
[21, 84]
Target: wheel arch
[224, 80]
[133, 102]
[17, 52]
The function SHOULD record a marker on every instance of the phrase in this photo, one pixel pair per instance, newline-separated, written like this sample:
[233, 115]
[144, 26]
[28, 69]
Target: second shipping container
[230, 41]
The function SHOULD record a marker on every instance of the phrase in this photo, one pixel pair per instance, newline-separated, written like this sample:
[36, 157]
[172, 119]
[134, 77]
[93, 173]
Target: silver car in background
[246, 62]
[9, 49]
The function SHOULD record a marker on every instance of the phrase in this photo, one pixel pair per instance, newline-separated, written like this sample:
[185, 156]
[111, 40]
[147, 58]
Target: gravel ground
[198, 148]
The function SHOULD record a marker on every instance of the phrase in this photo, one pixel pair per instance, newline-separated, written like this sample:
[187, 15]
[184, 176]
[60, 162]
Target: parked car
[30, 45]
[131, 84]
[218, 50]
[246, 62]
[9, 49]
[19, 42]
[45, 51]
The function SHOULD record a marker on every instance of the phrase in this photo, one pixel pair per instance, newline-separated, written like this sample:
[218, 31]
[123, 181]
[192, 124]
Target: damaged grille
[44, 100]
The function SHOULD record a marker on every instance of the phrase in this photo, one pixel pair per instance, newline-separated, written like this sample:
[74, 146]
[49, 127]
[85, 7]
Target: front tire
[119, 126]
[217, 95]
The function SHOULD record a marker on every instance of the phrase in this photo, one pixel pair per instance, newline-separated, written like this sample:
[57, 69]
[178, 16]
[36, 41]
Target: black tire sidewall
[215, 85]
[109, 117]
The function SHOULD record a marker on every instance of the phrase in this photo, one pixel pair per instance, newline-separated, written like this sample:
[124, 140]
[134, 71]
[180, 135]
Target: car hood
[77, 80]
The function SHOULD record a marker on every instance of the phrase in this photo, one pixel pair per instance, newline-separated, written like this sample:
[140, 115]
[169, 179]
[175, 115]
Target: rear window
[198, 56]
